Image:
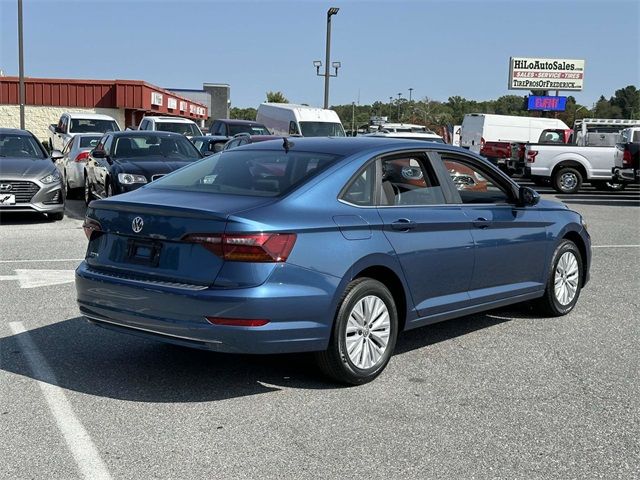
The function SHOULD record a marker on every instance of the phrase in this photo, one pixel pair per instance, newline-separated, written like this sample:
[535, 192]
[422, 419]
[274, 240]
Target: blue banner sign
[548, 104]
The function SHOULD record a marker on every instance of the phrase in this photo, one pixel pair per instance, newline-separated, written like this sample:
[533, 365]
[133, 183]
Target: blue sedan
[325, 245]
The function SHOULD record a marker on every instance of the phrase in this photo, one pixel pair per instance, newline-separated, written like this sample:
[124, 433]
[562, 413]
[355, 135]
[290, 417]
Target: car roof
[147, 133]
[168, 119]
[344, 145]
[15, 130]
[209, 137]
[89, 116]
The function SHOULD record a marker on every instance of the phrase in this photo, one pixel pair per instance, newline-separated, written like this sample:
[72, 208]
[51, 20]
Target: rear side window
[361, 189]
[253, 173]
[409, 180]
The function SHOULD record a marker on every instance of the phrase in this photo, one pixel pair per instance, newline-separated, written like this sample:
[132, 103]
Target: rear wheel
[567, 180]
[364, 334]
[564, 282]
[88, 194]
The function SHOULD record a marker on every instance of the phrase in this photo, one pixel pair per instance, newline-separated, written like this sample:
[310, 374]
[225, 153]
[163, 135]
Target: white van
[290, 119]
[478, 128]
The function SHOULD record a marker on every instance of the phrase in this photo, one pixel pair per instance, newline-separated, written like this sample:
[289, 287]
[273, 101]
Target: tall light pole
[21, 65]
[410, 91]
[399, 95]
[336, 65]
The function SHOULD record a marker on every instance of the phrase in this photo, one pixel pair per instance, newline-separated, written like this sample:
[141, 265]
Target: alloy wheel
[568, 181]
[367, 332]
[566, 278]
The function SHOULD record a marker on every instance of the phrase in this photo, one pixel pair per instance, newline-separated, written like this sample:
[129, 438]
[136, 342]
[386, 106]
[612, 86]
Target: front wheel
[87, 190]
[564, 282]
[364, 334]
[567, 180]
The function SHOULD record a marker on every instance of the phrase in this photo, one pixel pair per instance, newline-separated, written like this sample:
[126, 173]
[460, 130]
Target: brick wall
[38, 118]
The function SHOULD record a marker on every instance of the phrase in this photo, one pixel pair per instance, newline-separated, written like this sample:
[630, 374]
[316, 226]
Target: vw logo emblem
[6, 187]
[137, 224]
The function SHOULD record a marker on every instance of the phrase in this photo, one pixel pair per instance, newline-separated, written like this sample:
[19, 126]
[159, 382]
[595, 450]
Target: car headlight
[52, 177]
[129, 178]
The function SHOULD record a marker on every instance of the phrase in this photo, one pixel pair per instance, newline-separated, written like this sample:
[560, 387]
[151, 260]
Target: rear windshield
[252, 173]
[181, 128]
[321, 129]
[150, 147]
[79, 125]
[89, 142]
[18, 145]
[250, 129]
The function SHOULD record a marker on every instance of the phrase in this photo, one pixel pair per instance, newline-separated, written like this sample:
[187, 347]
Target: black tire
[549, 305]
[335, 362]
[56, 216]
[88, 196]
[567, 180]
[608, 186]
[68, 191]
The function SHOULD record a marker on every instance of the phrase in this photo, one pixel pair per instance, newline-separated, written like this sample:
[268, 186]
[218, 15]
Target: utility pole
[410, 91]
[399, 95]
[353, 118]
[21, 65]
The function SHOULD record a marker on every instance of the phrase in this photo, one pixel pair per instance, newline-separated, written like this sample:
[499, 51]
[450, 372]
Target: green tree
[628, 100]
[276, 97]
[605, 109]
[243, 113]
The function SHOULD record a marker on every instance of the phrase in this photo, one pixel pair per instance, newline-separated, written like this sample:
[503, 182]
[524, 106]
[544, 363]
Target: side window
[107, 144]
[293, 128]
[64, 123]
[361, 189]
[143, 125]
[409, 180]
[69, 145]
[474, 184]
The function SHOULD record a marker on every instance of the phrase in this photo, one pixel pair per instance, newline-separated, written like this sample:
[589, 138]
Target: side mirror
[98, 154]
[56, 155]
[528, 196]
[58, 129]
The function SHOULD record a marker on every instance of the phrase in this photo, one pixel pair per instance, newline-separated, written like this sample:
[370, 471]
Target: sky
[438, 48]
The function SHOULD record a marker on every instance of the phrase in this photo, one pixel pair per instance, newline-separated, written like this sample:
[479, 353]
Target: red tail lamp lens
[89, 226]
[237, 322]
[82, 157]
[260, 247]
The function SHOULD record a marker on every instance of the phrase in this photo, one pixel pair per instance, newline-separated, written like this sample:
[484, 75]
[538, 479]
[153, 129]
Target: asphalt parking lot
[498, 395]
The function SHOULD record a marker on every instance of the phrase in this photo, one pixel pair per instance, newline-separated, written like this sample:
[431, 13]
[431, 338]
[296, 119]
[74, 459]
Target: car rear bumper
[298, 303]
[626, 174]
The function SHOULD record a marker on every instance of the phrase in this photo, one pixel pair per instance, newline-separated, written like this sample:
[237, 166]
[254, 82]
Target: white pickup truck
[71, 124]
[589, 158]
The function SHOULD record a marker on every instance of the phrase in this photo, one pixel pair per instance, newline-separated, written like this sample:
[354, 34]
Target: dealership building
[46, 99]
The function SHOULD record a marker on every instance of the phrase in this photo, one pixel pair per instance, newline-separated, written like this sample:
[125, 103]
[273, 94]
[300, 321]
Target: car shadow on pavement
[22, 218]
[92, 360]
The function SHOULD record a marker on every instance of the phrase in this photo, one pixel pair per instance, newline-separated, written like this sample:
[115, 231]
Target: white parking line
[84, 451]
[43, 260]
[615, 246]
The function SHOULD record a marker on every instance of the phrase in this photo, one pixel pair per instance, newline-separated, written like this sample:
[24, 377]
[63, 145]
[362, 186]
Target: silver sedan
[29, 182]
[71, 161]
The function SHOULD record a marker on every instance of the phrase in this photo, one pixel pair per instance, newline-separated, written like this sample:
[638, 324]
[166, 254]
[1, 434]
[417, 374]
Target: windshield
[150, 147]
[250, 129]
[253, 173]
[321, 129]
[89, 142]
[19, 145]
[81, 125]
[182, 128]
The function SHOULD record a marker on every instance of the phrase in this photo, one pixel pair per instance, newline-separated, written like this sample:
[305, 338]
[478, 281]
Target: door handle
[403, 225]
[481, 222]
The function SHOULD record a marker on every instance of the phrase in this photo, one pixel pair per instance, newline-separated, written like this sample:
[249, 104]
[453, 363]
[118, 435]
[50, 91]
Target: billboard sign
[545, 74]
[547, 104]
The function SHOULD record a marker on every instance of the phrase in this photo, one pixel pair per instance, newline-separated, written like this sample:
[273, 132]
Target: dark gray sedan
[29, 181]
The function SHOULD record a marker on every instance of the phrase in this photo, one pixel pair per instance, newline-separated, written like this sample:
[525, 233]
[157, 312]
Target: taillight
[531, 156]
[258, 247]
[481, 142]
[626, 158]
[237, 322]
[82, 157]
[89, 226]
